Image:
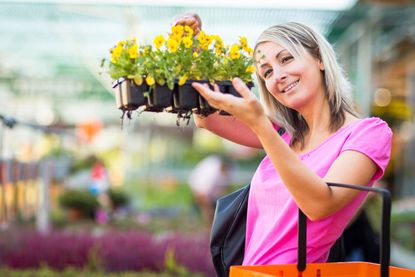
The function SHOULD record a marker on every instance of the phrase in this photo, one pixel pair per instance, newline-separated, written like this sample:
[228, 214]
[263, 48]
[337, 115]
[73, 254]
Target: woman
[304, 91]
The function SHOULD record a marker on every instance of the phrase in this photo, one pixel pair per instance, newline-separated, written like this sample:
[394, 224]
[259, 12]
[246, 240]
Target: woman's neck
[318, 117]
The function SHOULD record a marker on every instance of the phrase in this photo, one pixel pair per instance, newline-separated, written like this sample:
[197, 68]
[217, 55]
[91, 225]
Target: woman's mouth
[290, 87]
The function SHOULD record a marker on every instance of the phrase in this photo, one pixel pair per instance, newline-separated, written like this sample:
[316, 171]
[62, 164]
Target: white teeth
[290, 86]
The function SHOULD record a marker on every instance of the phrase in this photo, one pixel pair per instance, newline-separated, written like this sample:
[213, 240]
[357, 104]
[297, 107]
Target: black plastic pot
[128, 95]
[227, 88]
[204, 108]
[186, 98]
[160, 98]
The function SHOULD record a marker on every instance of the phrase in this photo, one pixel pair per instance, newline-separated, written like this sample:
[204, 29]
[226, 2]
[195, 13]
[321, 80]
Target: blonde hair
[297, 38]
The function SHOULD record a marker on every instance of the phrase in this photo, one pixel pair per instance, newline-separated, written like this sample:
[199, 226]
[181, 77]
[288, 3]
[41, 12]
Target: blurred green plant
[176, 269]
[80, 200]
[156, 196]
[118, 198]
[403, 228]
[82, 164]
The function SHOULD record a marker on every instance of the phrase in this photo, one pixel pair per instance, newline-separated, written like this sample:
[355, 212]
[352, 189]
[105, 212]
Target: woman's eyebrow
[279, 53]
[276, 56]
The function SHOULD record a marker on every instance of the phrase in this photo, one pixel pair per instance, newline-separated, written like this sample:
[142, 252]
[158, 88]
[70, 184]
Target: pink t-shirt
[271, 228]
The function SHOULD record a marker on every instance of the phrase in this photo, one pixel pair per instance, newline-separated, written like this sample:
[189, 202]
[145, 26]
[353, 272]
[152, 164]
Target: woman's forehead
[273, 48]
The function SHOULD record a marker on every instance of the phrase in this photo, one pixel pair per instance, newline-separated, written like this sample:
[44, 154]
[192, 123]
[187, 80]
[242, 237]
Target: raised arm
[229, 128]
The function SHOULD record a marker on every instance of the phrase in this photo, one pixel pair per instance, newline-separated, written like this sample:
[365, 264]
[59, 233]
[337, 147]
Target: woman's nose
[279, 74]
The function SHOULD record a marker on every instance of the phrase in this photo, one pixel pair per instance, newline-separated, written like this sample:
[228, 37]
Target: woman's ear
[321, 65]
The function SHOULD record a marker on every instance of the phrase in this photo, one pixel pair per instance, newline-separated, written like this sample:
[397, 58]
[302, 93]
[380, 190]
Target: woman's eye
[286, 59]
[267, 72]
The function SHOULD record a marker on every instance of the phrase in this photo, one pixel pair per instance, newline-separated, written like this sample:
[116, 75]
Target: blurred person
[304, 91]
[99, 177]
[209, 181]
[99, 187]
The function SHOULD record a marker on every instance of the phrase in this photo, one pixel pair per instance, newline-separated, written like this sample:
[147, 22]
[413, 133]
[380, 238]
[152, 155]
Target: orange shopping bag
[343, 269]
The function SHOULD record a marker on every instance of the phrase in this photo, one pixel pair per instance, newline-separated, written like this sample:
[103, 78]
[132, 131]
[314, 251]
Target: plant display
[171, 62]
[127, 61]
[237, 61]
[171, 58]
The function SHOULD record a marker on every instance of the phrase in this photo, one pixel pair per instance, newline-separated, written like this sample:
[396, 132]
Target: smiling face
[296, 81]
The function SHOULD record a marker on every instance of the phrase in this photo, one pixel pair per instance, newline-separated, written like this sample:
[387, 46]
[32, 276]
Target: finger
[241, 87]
[207, 93]
[203, 89]
[216, 88]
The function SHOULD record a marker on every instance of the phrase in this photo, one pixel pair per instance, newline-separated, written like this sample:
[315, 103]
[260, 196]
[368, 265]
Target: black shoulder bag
[227, 238]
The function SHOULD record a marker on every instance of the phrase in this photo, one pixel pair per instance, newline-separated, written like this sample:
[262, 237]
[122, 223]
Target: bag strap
[384, 234]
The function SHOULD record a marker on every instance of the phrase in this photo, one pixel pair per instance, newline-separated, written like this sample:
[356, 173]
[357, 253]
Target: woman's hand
[190, 19]
[246, 108]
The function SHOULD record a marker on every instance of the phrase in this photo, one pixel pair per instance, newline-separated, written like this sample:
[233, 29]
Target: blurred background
[82, 192]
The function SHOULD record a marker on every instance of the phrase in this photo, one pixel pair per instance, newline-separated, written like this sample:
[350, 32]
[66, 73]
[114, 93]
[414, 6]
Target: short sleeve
[373, 138]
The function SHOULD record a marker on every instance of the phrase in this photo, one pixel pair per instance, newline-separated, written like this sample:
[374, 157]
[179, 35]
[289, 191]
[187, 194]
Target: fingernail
[238, 81]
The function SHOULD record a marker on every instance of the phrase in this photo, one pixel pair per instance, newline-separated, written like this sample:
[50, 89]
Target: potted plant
[185, 98]
[162, 69]
[160, 75]
[206, 64]
[126, 68]
[118, 198]
[78, 204]
[236, 61]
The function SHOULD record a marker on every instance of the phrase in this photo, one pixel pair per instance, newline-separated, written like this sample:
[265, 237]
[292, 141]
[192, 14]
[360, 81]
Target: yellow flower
[250, 69]
[116, 53]
[234, 48]
[159, 41]
[218, 41]
[188, 30]
[243, 41]
[195, 54]
[218, 51]
[150, 80]
[133, 51]
[182, 80]
[234, 52]
[249, 50]
[203, 38]
[172, 45]
[235, 55]
[138, 80]
[177, 31]
[204, 46]
[187, 42]
[176, 38]
[121, 43]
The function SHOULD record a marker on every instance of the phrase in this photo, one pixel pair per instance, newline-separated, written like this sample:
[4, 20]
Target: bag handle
[384, 234]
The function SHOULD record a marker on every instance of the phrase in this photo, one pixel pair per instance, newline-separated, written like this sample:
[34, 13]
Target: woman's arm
[309, 191]
[229, 128]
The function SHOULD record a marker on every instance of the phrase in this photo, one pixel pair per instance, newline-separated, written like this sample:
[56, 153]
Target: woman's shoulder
[369, 131]
[374, 124]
